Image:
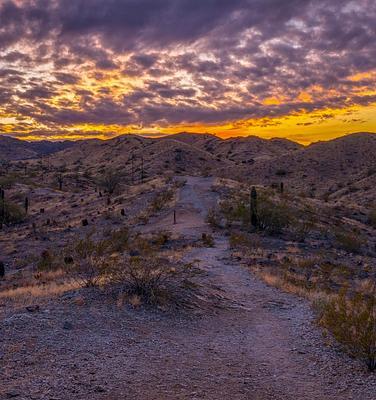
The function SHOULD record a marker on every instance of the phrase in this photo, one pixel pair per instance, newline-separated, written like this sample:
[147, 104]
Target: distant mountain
[12, 149]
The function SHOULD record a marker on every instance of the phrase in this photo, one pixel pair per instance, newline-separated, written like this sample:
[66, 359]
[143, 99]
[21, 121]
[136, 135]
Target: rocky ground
[251, 342]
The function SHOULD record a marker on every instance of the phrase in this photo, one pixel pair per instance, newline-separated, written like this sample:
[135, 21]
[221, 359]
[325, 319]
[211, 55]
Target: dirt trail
[263, 346]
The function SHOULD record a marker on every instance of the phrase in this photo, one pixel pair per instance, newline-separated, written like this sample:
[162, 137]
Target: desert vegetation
[327, 261]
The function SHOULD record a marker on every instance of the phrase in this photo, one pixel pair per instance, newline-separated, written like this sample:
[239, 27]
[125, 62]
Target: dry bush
[154, 280]
[352, 322]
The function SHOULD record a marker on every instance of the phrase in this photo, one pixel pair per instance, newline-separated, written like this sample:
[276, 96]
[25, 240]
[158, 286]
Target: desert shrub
[7, 181]
[161, 199]
[10, 213]
[91, 261]
[143, 218]
[349, 241]
[207, 240]
[372, 217]
[274, 216]
[160, 238]
[118, 240]
[47, 261]
[236, 209]
[154, 280]
[352, 322]
[213, 218]
[301, 229]
[243, 240]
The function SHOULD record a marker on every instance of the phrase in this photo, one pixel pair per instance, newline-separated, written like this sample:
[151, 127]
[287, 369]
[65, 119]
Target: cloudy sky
[302, 69]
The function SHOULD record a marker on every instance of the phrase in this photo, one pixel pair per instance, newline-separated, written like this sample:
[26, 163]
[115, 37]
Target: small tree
[253, 208]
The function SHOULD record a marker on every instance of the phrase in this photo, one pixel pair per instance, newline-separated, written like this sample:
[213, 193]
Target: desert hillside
[13, 149]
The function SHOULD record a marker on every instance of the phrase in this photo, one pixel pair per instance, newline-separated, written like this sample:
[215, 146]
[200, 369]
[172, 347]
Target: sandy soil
[262, 344]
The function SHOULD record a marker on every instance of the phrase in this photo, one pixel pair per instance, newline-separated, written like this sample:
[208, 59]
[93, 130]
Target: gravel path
[264, 345]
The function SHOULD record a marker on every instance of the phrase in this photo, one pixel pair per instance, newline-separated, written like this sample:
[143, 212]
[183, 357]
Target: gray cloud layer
[208, 61]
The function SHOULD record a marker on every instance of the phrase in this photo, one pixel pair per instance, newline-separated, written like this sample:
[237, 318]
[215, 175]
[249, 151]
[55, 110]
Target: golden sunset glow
[103, 77]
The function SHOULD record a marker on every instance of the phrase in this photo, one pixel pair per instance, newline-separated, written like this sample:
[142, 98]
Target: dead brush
[153, 280]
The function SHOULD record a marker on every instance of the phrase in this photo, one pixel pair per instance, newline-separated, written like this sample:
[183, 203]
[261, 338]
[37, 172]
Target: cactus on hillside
[26, 204]
[253, 208]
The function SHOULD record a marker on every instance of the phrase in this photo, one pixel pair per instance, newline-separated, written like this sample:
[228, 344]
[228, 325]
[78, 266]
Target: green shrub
[349, 241]
[274, 216]
[91, 261]
[352, 322]
[372, 217]
[10, 213]
[213, 218]
[238, 240]
[118, 240]
[207, 240]
[47, 261]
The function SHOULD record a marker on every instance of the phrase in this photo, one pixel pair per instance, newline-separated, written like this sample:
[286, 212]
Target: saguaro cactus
[253, 208]
[60, 181]
[2, 203]
[142, 170]
[26, 204]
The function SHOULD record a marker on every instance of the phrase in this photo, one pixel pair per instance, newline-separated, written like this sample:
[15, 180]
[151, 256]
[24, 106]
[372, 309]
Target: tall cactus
[2, 203]
[2, 269]
[253, 208]
[26, 204]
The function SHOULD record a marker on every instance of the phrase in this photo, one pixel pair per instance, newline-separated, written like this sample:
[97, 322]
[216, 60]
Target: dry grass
[280, 282]
[37, 291]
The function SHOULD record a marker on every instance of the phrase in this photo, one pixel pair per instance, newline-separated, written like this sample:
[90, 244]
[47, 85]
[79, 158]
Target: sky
[300, 69]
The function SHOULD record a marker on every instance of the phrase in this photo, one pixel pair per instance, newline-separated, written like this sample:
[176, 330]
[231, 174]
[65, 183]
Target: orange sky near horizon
[306, 74]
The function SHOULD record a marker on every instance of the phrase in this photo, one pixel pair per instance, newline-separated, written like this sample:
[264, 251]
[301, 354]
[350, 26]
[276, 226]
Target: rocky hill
[322, 168]
[332, 169]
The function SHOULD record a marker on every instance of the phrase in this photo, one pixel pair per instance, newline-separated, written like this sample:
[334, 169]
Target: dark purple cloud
[209, 61]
